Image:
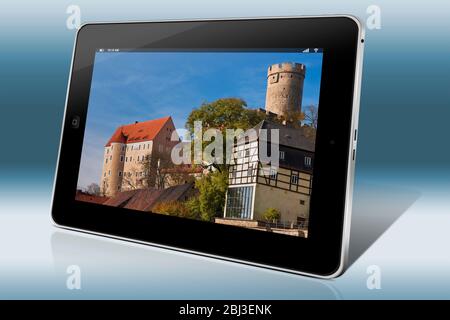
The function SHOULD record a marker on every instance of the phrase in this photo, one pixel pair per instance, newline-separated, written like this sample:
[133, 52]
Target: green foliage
[176, 208]
[222, 114]
[226, 113]
[172, 208]
[193, 205]
[211, 199]
[271, 214]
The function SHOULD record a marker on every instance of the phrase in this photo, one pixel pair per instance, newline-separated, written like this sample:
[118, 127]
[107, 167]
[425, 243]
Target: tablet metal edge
[350, 164]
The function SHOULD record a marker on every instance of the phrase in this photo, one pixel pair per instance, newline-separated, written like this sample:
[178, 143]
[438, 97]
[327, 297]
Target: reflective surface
[399, 225]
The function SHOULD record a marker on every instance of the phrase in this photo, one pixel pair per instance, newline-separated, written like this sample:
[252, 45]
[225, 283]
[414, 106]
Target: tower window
[120, 173]
[282, 155]
[109, 172]
[121, 158]
[308, 161]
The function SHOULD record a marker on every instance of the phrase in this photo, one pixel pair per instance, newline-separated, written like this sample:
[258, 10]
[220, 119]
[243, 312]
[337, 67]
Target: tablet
[233, 139]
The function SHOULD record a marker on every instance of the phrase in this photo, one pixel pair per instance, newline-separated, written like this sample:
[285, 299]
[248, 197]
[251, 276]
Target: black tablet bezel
[318, 254]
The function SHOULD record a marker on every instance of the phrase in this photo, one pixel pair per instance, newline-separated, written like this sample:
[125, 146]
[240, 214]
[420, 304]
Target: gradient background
[401, 211]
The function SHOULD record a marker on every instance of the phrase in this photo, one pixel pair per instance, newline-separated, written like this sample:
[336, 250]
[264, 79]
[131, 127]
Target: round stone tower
[285, 88]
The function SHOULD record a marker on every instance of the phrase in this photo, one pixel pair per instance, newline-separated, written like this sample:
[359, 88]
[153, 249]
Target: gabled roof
[139, 131]
[288, 136]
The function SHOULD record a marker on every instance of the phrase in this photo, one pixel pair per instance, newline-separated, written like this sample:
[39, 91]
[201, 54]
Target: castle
[132, 154]
[253, 188]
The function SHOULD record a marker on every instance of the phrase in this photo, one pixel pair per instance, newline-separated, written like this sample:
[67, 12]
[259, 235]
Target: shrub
[271, 215]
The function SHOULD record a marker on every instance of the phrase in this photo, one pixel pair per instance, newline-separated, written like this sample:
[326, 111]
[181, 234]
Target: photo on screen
[222, 137]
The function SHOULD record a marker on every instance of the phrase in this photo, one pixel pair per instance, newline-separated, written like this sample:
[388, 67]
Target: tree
[154, 166]
[212, 188]
[93, 189]
[222, 114]
[175, 208]
[271, 215]
[159, 170]
[311, 116]
[130, 179]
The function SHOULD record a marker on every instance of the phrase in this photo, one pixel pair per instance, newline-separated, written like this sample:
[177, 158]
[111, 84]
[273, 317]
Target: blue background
[403, 159]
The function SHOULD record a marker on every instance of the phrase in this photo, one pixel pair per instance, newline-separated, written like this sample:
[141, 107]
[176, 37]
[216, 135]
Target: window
[109, 172]
[126, 159]
[250, 170]
[138, 158]
[118, 187]
[273, 174]
[106, 161]
[110, 157]
[239, 203]
[120, 173]
[247, 152]
[139, 147]
[107, 151]
[121, 158]
[131, 159]
[282, 155]
[308, 161]
[302, 202]
[104, 174]
[233, 173]
[294, 178]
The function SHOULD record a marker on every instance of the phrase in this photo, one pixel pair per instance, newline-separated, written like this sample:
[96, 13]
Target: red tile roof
[139, 131]
[82, 196]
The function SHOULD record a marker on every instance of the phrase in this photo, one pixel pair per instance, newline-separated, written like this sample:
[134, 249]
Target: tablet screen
[225, 137]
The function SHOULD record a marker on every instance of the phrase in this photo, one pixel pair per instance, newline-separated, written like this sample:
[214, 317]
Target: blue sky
[139, 86]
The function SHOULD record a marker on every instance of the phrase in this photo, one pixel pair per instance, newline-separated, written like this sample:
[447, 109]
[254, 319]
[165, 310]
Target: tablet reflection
[117, 269]
[375, 209]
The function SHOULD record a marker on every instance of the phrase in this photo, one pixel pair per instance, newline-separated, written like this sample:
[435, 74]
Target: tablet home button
[75, 122]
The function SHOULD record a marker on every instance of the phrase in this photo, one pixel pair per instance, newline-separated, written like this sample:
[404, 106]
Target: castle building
[129, 148]
[255, 187]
